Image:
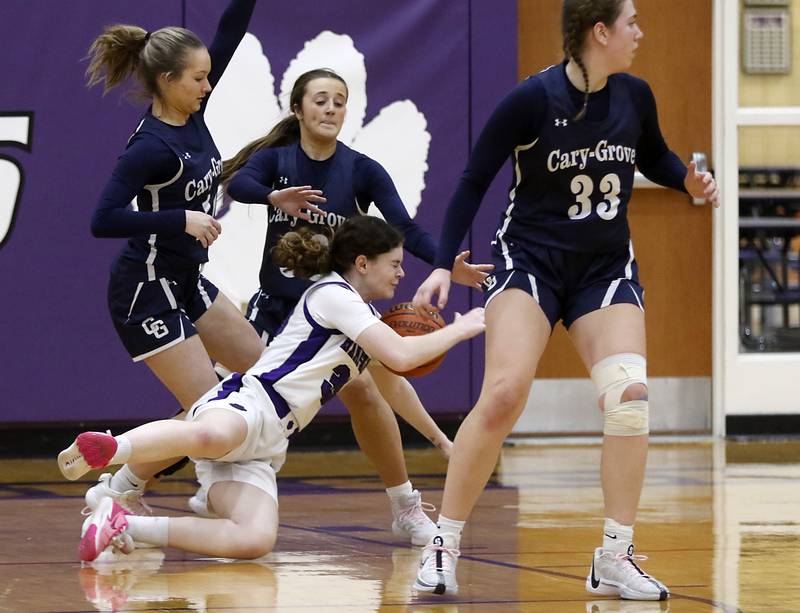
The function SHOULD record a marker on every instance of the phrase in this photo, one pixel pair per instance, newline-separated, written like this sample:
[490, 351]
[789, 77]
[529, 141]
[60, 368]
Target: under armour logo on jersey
[560, 123]
[155, 327]
[489, 282]
[283, 180]
[187, 156]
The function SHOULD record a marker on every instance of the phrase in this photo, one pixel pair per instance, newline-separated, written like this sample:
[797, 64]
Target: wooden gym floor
[719, 521]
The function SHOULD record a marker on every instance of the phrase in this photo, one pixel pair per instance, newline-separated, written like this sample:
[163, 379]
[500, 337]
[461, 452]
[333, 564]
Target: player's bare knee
[506, 394]
[254, 541]
[501, 403]
[256, 549]
[211, 441]
[359, 395]
[495, 422]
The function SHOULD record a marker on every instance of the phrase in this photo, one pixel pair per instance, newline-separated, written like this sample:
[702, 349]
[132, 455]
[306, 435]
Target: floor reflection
[719, 522]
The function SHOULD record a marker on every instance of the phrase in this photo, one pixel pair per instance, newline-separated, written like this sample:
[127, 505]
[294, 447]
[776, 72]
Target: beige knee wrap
[612, 376]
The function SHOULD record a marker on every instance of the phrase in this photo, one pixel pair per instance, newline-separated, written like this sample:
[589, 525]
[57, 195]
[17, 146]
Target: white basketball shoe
[410, 520]
[617, 574]
[437, 570]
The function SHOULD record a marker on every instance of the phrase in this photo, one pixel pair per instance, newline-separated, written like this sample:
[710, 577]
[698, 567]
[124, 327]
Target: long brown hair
[125, 50]
[286, 131]
[578, 17]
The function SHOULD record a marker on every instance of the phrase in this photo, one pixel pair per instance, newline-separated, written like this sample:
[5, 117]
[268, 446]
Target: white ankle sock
[123, 450]
[450, 528]
[400, 491]
[616, 537]
[152, 530]
[125, 479]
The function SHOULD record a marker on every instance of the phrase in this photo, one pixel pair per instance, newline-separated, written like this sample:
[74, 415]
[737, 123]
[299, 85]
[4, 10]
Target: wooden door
[672, 238]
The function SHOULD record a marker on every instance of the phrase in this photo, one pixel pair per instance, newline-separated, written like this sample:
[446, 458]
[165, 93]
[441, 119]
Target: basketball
[403, 319]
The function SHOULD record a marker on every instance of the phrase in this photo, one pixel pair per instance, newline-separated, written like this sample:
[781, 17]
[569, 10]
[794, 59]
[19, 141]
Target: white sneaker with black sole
[617, 574]
[437, 570]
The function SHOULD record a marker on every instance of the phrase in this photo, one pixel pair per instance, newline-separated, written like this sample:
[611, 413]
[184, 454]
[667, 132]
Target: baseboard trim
[762, 425]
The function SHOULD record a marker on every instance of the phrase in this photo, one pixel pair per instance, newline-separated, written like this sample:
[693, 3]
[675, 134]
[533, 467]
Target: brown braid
[577, 18]
[582, 113]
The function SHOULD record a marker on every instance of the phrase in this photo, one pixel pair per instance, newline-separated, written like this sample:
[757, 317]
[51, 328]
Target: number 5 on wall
[15, 131]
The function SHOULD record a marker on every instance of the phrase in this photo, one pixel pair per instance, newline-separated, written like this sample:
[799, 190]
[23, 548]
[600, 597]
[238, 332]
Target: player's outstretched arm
[403, 399]
[403, 353]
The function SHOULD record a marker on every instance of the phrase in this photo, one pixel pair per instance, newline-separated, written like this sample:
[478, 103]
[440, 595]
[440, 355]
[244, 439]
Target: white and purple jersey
[572, 180]
[168, 170]
[315, 353]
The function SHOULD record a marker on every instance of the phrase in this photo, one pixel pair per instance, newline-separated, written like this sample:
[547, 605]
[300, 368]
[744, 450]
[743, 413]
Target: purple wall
[60, 358]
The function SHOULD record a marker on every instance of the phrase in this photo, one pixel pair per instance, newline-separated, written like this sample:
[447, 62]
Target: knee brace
[612, 376]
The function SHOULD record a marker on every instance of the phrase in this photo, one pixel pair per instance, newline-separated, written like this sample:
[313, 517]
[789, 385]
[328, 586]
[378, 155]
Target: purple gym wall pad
[61, 360]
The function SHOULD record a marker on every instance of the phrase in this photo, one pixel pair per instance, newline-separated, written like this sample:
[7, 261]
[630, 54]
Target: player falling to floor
[238, 432]
[575, 133]
[297, 165]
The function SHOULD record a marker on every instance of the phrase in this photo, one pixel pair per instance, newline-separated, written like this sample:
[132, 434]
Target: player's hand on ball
[438, 282]
[406, 321]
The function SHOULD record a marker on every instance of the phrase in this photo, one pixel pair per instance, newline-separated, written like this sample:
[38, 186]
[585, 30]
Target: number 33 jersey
[572, 185]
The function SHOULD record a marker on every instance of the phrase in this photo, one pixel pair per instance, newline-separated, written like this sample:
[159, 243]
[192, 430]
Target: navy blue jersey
[349, 180]
[169, 170]
[572, 181]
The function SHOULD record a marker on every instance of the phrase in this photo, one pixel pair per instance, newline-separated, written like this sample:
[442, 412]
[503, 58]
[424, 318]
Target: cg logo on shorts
[155, 327]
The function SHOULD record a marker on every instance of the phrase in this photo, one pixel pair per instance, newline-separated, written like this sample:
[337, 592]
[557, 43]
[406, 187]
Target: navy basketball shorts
[565, 284]
[268, 313]
[151, 316]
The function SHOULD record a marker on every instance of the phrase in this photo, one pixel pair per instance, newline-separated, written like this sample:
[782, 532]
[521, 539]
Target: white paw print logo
[244, 107]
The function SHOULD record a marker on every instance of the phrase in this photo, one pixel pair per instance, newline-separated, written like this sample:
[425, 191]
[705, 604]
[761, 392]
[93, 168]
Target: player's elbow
[399, 359]
[234, 191]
